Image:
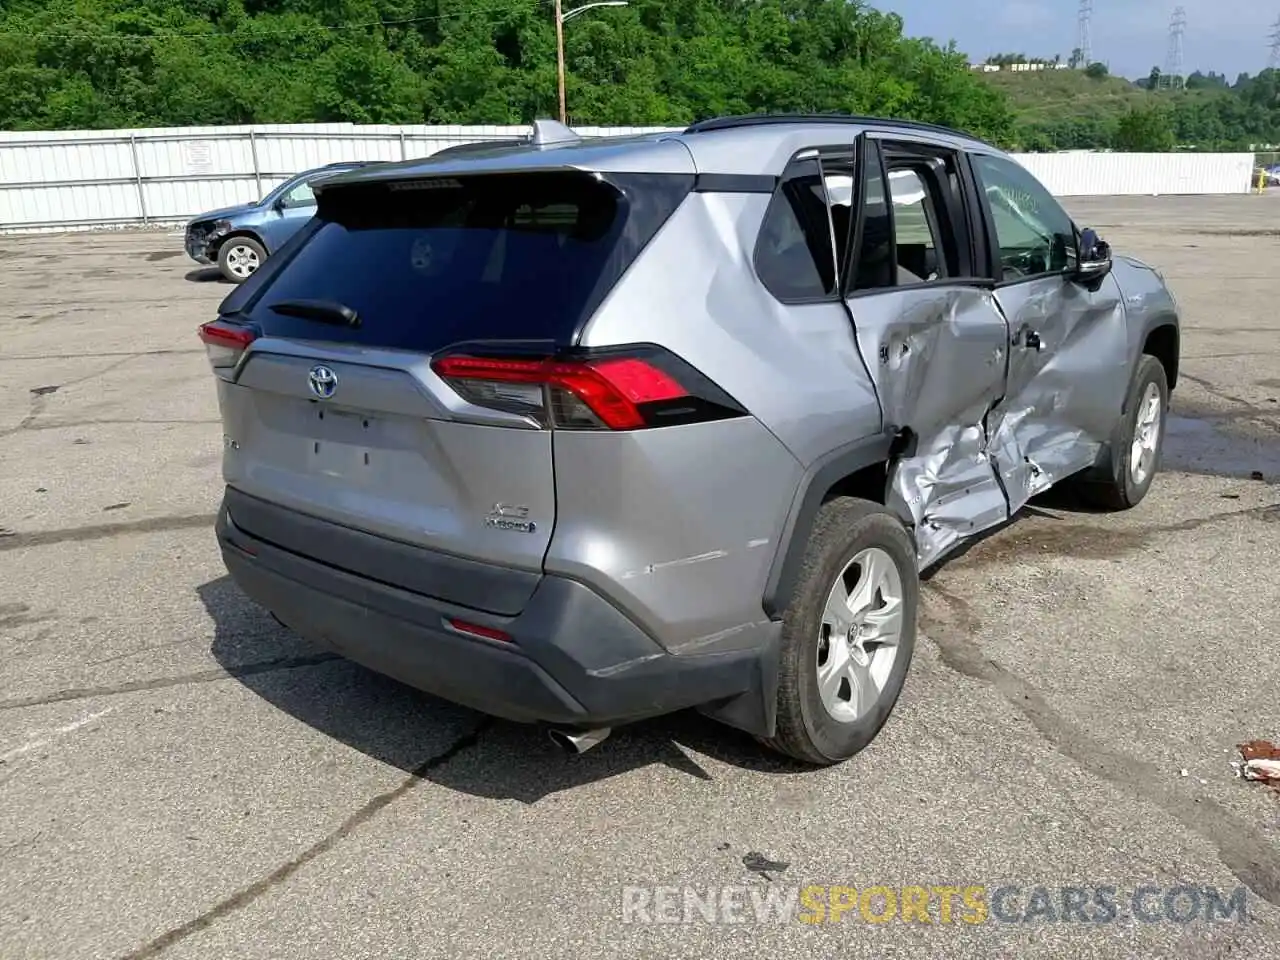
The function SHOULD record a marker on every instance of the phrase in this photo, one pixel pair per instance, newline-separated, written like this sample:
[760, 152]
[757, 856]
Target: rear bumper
[573, 658]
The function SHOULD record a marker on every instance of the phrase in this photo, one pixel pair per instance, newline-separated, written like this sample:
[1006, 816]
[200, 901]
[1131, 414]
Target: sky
[1130, 36]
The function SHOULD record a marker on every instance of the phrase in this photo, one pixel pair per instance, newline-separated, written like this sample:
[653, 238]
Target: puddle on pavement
[1222, 447]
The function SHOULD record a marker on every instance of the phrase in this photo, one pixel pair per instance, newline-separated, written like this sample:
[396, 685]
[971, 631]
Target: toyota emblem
[322, 381]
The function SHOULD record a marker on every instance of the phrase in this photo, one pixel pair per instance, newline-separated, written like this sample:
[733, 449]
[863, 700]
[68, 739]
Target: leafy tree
[99, 63]
[1144, 130]
[1096, 71]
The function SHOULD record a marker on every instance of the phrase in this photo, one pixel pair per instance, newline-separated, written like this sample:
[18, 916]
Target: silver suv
[584, 431]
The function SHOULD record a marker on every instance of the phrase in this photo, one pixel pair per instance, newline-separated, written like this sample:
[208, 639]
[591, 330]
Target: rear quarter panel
[694, 290]
[681, 525]
[676, 526]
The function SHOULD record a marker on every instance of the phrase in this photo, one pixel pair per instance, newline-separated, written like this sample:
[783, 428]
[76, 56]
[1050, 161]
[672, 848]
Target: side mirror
[281, 204]
[1093, 260]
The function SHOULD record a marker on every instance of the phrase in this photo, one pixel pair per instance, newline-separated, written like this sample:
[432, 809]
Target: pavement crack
[245, 896]
[949, 622]
[16, 540]
[1215, 391]
[159, 683]
[38, 401]
[135, 421]
[106, 353]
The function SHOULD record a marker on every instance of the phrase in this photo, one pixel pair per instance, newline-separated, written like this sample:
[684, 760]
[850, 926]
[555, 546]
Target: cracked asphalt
[181, 777]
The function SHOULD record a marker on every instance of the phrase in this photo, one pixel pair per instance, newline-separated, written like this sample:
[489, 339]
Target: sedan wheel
[240, 258]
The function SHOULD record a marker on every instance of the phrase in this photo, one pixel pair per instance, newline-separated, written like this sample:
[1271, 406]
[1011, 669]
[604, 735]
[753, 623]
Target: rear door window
[805, 231]
[434, 262]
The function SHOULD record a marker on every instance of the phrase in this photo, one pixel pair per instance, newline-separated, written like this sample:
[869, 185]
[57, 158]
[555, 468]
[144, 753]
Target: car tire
[819, 721]
[240, 257]
[1116, 484]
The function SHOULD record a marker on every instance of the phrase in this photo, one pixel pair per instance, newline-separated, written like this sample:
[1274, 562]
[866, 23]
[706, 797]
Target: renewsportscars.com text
[934, 904]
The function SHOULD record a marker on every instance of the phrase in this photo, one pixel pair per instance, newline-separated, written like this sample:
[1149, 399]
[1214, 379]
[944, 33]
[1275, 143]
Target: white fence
[80, 180]
[1082, 174]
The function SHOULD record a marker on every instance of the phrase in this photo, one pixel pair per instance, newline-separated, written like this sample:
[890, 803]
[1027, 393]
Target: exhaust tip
[578, 741]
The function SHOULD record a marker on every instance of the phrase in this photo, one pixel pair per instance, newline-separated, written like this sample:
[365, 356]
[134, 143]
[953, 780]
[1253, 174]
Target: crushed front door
[1068, 351]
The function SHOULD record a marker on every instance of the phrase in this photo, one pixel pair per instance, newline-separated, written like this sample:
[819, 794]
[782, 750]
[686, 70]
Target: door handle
[1031, 340]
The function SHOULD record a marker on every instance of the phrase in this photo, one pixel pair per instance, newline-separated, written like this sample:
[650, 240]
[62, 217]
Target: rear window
[430, 263]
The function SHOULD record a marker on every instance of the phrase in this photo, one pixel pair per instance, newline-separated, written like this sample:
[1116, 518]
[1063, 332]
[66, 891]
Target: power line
[214, 35]
[1274, 62]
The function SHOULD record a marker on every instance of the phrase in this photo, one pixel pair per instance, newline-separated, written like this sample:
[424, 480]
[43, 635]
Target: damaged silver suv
[583, 431]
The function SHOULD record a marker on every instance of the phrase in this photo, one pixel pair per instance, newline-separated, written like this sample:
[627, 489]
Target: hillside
[1054, 94]
[1070, 110]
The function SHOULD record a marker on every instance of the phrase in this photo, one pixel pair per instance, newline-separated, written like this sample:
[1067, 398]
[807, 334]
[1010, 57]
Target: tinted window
[794, 255]
[434, 262]
[1034, 233]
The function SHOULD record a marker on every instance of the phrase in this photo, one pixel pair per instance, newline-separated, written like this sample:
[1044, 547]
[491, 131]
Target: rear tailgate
[333, 410]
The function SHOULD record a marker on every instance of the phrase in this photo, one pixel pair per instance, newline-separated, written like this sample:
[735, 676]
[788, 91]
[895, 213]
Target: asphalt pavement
[182, 777]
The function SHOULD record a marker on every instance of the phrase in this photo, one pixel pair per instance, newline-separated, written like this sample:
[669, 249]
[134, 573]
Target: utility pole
[560, 60]
[561, 16]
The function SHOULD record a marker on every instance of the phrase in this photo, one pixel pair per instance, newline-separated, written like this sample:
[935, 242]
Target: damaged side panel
[937, 355]
[1068, 374]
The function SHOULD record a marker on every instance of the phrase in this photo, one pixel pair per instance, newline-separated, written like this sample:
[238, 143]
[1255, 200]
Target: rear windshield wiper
[325, 311]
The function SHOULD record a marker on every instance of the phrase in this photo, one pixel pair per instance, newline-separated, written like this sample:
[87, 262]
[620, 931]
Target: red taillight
[225, 342]
[215, 334]
[488, 633]
[611, 388]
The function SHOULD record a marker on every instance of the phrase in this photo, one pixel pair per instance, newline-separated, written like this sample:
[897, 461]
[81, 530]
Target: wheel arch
[1161, 339]
[859, 469]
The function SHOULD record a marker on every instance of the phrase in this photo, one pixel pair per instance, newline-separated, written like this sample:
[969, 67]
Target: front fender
[1152, 315]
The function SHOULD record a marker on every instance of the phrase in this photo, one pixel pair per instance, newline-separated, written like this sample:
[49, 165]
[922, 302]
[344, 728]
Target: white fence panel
[77, 179]
[1130, 174]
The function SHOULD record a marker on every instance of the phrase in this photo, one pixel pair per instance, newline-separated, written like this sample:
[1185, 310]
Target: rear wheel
[848, 635]
[1134, 457]
[240, 257]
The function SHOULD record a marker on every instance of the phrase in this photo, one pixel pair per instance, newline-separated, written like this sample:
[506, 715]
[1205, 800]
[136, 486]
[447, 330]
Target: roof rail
[767, 119]
[549, 132]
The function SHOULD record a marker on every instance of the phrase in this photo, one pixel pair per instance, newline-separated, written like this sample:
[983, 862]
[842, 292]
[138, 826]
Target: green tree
[1144, 130]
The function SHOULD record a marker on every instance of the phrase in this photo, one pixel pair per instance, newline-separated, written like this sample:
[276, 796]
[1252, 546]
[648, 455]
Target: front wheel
[240, 257]
[1134, 455]
[848, 633]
